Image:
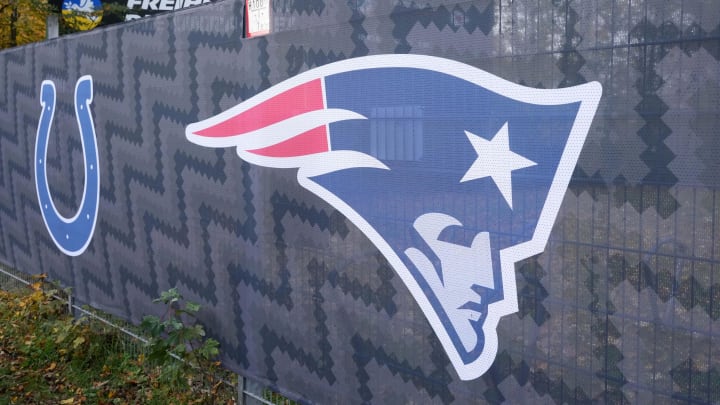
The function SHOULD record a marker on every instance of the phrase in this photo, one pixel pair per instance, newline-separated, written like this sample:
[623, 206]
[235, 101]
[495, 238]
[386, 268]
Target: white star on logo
[495, 160]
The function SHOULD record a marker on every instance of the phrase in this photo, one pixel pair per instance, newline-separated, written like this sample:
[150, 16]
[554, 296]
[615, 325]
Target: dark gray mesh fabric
[621, 307]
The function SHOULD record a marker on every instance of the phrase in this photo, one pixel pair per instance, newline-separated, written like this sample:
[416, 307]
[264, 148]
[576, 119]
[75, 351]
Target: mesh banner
[390, 201]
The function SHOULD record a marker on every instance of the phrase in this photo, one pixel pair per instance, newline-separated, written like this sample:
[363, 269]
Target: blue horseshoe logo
[71, 235]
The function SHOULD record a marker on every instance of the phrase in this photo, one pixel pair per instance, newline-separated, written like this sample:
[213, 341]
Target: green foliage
[47, 356]
[177, 333]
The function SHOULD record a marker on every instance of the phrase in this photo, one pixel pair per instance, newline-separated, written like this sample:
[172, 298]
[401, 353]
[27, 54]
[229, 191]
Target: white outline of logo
[588, 95]
[71, 235]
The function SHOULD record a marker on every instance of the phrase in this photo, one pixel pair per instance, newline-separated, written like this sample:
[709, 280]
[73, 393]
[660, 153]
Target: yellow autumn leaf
[78, 341]
[70, 400]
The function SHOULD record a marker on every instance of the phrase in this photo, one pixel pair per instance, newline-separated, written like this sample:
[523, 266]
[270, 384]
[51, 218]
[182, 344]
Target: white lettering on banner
[167, 5]
[161, 5]
[150, 4]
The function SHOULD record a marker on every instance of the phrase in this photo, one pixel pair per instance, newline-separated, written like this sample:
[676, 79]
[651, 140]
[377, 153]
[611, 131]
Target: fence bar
[14, 277]
[257, 398]
[241, 390]
[70, 302]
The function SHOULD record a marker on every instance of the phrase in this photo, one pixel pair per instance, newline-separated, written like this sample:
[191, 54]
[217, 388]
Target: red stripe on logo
[312, 141]
[298, 100]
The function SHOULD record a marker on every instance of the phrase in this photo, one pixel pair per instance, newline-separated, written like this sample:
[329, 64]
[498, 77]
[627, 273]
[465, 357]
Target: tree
[22, 21]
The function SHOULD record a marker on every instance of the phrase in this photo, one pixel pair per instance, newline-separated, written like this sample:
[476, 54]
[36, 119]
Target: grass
[47, 356]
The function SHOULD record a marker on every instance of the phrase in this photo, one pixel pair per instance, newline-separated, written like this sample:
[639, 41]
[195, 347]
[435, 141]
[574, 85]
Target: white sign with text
[257, 18]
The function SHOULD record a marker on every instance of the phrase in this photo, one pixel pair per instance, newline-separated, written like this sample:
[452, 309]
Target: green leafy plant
[177, 335]
[47, 356]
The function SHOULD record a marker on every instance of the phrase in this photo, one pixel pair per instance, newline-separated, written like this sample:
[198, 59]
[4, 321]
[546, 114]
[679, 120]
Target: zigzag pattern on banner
[435, 383]
[405, 18]
[174, 214]
[380, 297]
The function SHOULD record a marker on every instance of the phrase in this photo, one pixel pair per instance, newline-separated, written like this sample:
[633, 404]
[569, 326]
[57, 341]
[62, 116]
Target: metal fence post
[241, 390]
[52, 27]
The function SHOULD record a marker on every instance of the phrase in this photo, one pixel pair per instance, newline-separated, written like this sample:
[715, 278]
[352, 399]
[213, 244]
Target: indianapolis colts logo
[71, 235]
[453, 173]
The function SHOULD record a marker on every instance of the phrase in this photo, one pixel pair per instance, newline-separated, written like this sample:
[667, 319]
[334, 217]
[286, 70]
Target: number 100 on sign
[257, 17]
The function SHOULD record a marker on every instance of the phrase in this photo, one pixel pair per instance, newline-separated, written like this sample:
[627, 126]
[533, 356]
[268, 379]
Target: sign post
[52, 25]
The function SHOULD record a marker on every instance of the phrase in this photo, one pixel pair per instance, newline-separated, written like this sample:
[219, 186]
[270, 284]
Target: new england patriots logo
[453, 173]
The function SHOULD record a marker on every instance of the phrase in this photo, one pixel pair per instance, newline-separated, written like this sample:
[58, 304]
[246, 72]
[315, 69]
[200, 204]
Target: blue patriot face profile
[453, 173]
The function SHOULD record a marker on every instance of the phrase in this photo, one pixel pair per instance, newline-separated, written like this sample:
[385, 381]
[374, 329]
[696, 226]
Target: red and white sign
[257, 18]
